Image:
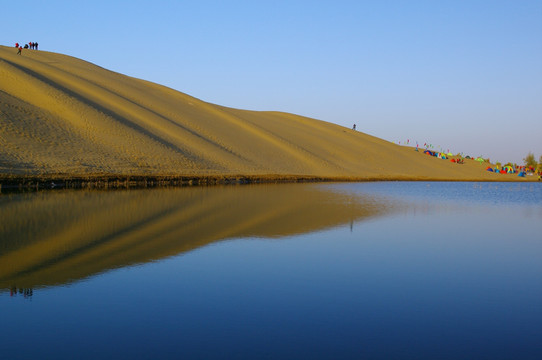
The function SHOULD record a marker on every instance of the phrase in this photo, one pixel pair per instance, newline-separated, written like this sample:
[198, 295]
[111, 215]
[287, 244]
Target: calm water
[359, 270]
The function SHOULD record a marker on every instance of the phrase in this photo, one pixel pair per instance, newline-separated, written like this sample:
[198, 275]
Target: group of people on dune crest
[31, 45]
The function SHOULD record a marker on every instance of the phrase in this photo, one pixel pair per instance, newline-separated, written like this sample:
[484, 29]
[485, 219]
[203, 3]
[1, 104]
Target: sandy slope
[62, 115]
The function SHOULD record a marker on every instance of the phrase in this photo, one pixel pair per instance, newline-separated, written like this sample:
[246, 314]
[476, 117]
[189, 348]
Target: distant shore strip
[16, 183]
[9, 183]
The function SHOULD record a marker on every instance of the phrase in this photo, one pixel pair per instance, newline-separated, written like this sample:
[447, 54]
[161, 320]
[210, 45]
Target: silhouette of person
[36, 45]
[19, 50]
[354, 127]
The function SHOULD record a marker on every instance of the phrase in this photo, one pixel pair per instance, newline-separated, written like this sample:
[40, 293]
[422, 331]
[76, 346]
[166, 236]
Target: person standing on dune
[19, 51]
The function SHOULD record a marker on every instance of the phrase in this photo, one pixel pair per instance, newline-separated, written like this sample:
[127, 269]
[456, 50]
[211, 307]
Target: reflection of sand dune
[58, 237]
[62, 115]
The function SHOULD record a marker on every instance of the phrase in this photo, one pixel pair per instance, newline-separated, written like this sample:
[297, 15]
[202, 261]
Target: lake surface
[402, 270]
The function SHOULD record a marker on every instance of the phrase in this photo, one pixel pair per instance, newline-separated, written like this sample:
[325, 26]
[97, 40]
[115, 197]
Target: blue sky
[461, 75]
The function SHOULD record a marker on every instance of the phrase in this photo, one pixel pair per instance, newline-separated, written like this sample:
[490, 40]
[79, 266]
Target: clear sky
[463, 75]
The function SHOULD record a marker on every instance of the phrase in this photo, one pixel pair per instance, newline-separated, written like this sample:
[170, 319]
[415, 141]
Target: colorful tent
[509, 169]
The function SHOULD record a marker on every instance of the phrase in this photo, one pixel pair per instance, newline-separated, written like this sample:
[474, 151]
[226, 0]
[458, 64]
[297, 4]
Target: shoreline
[15, 183]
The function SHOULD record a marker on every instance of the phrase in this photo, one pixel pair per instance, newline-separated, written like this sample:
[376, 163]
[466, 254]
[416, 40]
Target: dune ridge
[60, 115]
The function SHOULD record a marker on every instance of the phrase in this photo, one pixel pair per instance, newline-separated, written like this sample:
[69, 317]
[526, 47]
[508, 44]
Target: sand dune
[63, 116]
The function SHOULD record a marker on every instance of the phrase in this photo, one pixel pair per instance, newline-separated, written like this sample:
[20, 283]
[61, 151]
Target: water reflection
[53, 238]
[26, 293]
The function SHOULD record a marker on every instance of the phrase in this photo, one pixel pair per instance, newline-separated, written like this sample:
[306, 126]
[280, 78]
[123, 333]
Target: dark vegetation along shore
[33, 183]
[27, 183]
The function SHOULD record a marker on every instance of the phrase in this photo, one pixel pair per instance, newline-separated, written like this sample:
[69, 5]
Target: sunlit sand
[62, 116]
